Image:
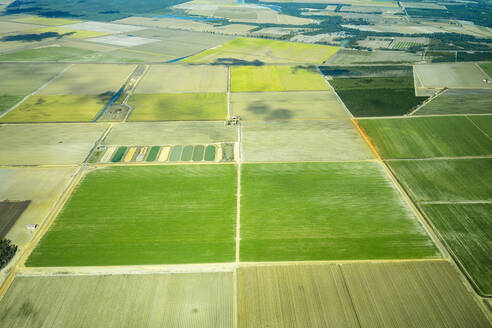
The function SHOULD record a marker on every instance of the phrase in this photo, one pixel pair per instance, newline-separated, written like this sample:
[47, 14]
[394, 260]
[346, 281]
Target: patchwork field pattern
[115, 218]
[179, 107]
[257, 51]
[352, 295]
[27, 144]
[64, 108]
[345, 211]
[183, 78]
[203, 299]
[306, 105]
[426, 137]
[276, 78]
[280, 141]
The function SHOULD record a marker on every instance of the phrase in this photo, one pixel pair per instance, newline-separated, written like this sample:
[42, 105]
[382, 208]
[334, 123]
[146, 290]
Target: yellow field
[259, 51]
[46, 21]
[276, 78]
[66, 32]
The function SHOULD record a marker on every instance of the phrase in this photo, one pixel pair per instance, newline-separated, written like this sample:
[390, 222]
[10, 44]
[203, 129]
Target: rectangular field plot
[276, 78]
[9, 213]
[28, 144]
[415, 294]
[41, 186]
[179, 107]
[377, 96]
[295, 296]
[145, 215]
[48, 54]
[121, 40]
[257, 51]
[446, 180]
[326, 211]
[426, 137]
[452, 75]
[22, 79]
[182, 78]
[153, 300]
[271, 106]
[279, 141]
[484, 123]
[466, 231]
[169, 133]
[64, 108]
[459, 102]
[357, 57]
[89, 79]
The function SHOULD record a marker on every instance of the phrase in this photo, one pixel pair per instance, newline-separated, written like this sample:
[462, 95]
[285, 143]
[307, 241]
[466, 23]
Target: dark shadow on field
[34, 36]
[309, 68]
[235, 61]
[26, 311]
[260, 108]
[105, 97]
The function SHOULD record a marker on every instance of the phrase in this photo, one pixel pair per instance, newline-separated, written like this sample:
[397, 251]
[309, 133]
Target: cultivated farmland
[345, 211]
[377, 96]
[269, 106]
[179, 107]
[426, 137]
[27, 144]
[22, 79]
[89, 79]
[48, 53]
[484, 123]
[279, 141]
[466, 230]
[64, 108]
[168, 133]
[9, 213]
[117, 217]
[157, 300]
[459, 102]
[257, 51]
[45, 20]
[276, 78]
[182, 78]
[445, 180]
[452, 75]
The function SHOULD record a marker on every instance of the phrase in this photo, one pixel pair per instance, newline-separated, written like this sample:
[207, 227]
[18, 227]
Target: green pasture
[179, 107]
[425, 137]
[451, 102]
[145, 215]
[326, 211]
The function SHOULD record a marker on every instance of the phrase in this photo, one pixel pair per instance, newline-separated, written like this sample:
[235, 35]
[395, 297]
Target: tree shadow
[235, 61]
[34, 36]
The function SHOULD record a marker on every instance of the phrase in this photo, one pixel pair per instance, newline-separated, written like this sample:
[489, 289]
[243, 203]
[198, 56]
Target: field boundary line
[350, 115]
[419, 116]
[428, 100]
[420, 217]
[479, 128]
[481, 69]
[438, 158]
[450, 202]
[324, 262]
[238, 195]
[37, 90]
[352, 304]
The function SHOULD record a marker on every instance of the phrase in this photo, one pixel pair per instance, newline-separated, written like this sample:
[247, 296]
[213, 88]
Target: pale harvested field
[350, 57]
[103, 27]
[169, 133]
[293, 296]
[157, 300]
[122, 40]
[28, 144]
[268, 106]
[9, 27]
[89, 79]
[21, 79]
[182, 78]
[42, 186]
[452, 75]
[278, 141]
[417, 294]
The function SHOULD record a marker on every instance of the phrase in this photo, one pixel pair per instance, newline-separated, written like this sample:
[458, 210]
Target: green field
[344, 211]
[271, 106]
[377, 96]
[484, 123]
[145, 215]
[179, 107]
[276, 78]
[471, 102]
[8, 101]
[426, 137]
[445, 180]
[302, 140]
[150, 300]
[487, 67]
[466, 231]
[64, 108]
[258, 51]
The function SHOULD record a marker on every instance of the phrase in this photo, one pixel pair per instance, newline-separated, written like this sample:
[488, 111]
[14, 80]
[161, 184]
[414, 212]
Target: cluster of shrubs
[7, 251]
